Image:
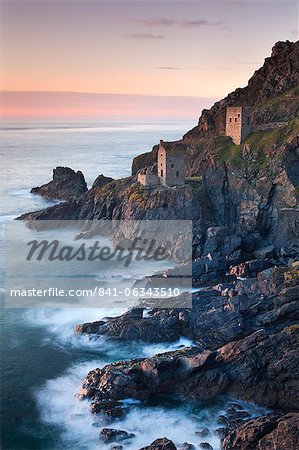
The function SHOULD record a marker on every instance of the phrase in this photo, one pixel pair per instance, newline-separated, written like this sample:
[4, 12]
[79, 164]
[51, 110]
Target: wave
[78, 428]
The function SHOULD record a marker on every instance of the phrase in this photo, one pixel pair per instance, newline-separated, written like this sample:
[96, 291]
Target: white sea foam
[59, 406]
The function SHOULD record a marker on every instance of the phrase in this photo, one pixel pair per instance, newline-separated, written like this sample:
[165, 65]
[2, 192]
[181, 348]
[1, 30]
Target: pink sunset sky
[133, 58]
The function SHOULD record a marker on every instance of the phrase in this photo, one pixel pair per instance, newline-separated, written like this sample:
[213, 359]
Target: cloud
[167, 22]
[156, 21]
[169, 68]
[198, 23]
[180, 68]
[144, 36]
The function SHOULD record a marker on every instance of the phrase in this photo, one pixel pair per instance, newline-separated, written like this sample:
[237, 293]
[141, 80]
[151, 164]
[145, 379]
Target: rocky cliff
[243, 201]
[66, 184]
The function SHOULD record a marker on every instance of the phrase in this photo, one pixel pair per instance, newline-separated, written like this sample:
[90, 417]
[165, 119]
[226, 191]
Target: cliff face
[280, 73]
[272, 92]
[243, 203]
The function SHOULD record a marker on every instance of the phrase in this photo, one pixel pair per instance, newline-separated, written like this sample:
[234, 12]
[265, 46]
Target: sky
[179, 49]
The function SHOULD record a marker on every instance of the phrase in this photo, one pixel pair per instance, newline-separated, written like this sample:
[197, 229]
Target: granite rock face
[268, 432]
[65, 185]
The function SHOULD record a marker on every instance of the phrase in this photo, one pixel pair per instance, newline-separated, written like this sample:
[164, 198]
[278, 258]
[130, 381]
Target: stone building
[148, 176]
[170, 167]
[238, 123]
[171, 163]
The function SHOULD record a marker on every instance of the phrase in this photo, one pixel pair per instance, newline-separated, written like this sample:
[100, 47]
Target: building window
[230, 119]
[177, 174]
[239, 115]
[172, 165]
[161, 164]
[161, 172]
[236, 119]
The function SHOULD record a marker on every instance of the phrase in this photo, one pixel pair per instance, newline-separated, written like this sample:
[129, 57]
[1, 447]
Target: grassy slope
[262, 143]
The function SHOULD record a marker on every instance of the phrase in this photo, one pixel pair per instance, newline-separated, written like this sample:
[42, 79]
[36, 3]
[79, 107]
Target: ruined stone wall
[238, 123]
[234, 123]
[246, 122]
[175, 168]
[162, 164]
[147, 179]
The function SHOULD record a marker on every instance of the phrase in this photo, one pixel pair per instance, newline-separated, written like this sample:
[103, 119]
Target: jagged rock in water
[160, 444]
[111, 435]
[66, 184]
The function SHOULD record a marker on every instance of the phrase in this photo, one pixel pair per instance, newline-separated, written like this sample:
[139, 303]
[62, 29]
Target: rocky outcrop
[144, 160]
[160, 444]
[108, 435]
[100, 181]
[263, 433]
[261, 367]
[225, 313]
[66, 184]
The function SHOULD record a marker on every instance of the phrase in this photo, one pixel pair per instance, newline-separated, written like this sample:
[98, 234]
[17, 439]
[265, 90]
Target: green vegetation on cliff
[262, 144]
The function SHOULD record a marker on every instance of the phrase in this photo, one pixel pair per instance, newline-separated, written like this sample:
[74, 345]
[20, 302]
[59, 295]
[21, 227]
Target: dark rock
[263, 433]
[66, 184]
[222, 432]
[222, 420]
[144, 160]
[236, 406]
[238, 415]
[101, 181]
[89, 328]
[204, 432]
[160, 444]
[260, 367]
[187, 446]
[111, 434]
[110, 409]
[249, 269]
[205, 445]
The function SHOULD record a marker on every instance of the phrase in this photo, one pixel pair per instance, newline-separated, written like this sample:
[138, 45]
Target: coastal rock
[129, 327]
[66, 184]
[160, 444]
[100, 181]
[267, 432]
[202, 433]
[186, 446]
[111, 434]
[278, 74]
[205, 445]
[260, 367]
[217, 316]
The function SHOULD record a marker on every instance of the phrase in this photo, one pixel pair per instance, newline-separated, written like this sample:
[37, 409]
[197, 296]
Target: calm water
[43, 362]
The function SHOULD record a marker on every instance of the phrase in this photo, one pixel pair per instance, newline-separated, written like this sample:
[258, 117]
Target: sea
[43, 361]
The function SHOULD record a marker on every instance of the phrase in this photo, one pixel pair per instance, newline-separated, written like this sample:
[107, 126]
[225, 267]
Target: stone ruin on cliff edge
[170, 167]
[238, 123]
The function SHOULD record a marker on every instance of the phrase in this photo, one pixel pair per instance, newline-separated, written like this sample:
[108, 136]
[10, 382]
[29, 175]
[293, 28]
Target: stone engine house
[238, 123]
[170, 169]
